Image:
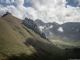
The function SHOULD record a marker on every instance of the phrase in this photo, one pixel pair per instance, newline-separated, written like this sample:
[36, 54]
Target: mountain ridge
[31, 24]
[68, 30]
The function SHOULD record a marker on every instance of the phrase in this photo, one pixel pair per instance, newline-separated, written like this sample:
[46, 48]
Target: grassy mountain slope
[63, 44]
[12, 35]
[16, 39]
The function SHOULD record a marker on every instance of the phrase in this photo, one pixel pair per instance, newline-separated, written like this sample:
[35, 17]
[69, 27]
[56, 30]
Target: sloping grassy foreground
[17, 42]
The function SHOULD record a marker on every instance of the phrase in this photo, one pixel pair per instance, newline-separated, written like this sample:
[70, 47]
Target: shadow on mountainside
[73, 53]
[45, 51]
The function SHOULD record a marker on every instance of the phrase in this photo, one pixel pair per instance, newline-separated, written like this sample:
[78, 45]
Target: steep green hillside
[21, 43]
[12, 36]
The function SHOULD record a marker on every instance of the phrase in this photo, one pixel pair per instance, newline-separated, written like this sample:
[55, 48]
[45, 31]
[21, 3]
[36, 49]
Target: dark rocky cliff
[32, 25]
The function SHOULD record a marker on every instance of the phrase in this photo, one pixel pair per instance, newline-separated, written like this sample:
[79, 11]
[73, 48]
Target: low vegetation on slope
[17, 42]
[63, 44]
[17, 39]
[12, 36]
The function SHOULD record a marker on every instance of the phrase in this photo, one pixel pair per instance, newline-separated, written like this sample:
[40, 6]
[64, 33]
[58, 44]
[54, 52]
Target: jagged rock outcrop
[32, 25]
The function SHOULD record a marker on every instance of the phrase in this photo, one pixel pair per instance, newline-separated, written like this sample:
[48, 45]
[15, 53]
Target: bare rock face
[43, 35]
[32, 25]
[39, 22]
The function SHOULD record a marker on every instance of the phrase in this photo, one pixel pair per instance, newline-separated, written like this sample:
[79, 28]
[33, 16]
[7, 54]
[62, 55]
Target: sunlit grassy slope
[12, 36]
[15, 39]
[63, 44]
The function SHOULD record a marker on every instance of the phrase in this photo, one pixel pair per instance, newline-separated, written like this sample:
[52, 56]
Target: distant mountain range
[66, 31]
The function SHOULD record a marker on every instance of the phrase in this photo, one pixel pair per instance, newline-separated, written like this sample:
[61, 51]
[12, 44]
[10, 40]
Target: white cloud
[2, 12]
[46, 10]
[8, 1]
[49, 27]
[19, 2]
[12, 1]
[12, 9]
[53, 10]
[31, 13]
[41, 28]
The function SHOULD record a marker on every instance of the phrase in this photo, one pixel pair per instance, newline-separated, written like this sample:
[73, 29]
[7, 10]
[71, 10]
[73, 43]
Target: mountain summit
[6, 14]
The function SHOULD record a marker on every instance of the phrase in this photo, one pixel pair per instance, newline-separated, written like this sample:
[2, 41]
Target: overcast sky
[46, 10]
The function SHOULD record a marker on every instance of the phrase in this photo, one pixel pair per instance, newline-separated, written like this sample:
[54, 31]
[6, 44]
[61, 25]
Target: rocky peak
[39, 22]
[6, 14]
[32, 25]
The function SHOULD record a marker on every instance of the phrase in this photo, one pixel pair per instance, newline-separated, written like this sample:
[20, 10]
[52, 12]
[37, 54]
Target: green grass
[17, 42]
[44, 51]
[63, 44]
[14, 35]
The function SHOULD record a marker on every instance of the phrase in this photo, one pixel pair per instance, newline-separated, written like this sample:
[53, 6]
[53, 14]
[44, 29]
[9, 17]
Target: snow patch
[60, 29]
[49, 27]
[41, 27]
